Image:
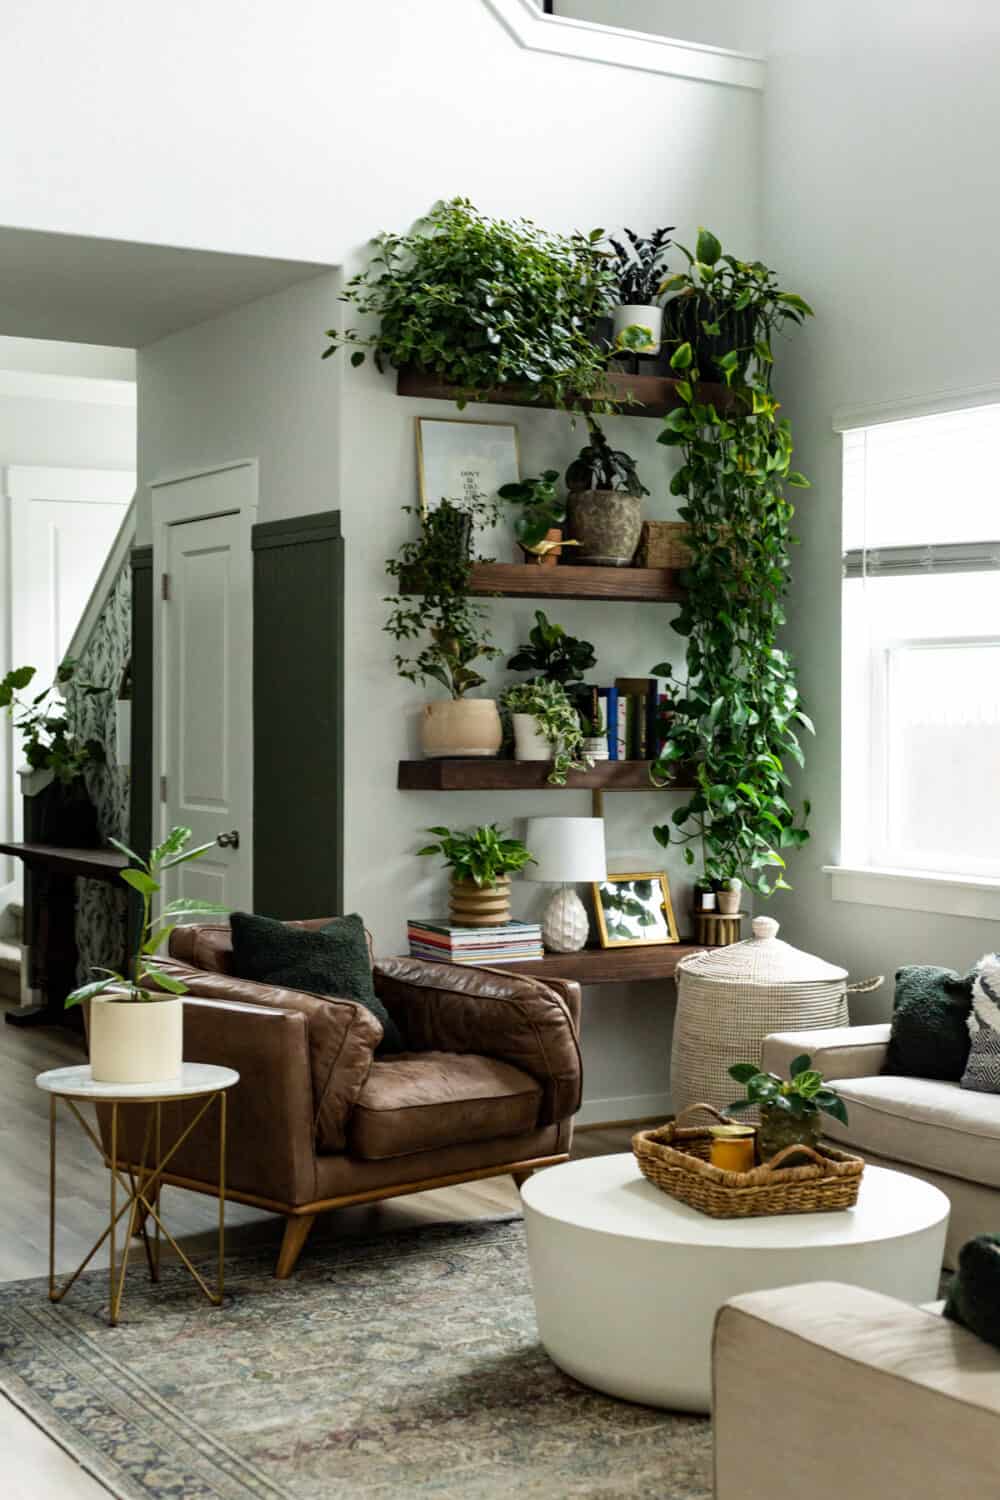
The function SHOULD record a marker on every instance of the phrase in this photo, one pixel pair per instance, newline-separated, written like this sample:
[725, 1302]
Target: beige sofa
[836, 1393]
[945, 1134]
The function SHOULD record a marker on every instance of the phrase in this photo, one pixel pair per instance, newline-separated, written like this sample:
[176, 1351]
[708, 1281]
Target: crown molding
[639, 50]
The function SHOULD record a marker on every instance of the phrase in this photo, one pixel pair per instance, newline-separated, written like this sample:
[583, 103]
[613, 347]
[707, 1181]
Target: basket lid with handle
[762, 959]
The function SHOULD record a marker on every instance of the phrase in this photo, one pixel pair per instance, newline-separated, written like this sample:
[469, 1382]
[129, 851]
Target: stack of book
[441, 942]
[634, 714]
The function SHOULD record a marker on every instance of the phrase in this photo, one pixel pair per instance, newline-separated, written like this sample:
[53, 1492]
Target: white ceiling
[92, 291]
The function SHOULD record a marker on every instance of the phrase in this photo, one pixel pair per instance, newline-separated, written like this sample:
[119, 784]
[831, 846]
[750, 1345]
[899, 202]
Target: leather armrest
[341, 1037]
[836, 1052]
[448, 1008]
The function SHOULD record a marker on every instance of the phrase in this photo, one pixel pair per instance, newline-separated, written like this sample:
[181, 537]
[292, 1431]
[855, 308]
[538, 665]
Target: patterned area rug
[403, 1365]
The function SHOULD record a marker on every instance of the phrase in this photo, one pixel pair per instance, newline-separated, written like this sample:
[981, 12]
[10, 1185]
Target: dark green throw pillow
[330, 960]
[974, 1298]
[930, 1034]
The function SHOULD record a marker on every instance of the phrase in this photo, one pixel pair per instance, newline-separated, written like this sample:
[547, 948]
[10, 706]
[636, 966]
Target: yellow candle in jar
[733, 1147]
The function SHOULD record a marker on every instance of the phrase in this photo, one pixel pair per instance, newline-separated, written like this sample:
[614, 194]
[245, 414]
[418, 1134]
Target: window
[921, 645]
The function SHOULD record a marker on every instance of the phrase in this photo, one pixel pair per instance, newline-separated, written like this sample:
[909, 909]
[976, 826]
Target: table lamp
[566, 850]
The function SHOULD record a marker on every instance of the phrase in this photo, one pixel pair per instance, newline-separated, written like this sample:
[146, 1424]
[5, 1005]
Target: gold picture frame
[457, 456]
[621, 927]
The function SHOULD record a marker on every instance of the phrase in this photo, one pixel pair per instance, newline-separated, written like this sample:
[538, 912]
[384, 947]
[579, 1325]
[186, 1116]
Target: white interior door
[204, 733]
[63, 523]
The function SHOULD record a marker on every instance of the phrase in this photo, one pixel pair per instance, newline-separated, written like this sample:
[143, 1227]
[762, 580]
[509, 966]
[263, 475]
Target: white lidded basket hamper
[729, 999]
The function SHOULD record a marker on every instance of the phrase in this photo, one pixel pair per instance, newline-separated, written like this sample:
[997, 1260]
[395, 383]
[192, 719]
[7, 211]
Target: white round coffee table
[627, 1281]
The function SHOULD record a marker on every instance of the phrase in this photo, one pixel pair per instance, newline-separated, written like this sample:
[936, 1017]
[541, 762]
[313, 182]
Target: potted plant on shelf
[789, 1108]
[57, 750]
[539, 526]
[136, 1023]
[553, 655]
[728, 895]
[434, 573]
[482, 303]
[736, 713]
[605, 502]
[639, 263]
[546, 727]
[481, 863]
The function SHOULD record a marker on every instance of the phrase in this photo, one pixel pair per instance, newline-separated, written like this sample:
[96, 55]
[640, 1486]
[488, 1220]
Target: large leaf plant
[736, 715]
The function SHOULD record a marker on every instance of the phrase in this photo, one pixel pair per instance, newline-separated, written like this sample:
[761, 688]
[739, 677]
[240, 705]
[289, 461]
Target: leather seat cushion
[422, 1101]
[925, 1122]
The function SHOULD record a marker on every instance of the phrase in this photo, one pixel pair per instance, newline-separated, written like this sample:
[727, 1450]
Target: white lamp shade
[567, 849]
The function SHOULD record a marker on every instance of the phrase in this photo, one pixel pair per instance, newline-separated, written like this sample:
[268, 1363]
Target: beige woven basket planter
[729, 1000]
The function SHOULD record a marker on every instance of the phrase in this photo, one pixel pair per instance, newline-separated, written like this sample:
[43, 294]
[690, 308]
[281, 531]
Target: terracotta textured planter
[461, 726]
[607, 525]
[480, 906]
[136, 1041]
[729, 902]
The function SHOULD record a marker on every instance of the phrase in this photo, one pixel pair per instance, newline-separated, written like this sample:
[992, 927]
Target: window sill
[917, 890]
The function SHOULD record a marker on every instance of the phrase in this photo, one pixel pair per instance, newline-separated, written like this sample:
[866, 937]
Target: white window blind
[921, 645]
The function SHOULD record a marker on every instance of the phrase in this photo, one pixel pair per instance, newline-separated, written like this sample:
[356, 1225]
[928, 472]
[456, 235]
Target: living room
[449, 1232]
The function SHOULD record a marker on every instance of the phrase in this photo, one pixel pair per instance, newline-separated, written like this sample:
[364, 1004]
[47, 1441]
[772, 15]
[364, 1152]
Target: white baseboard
[628, 1107]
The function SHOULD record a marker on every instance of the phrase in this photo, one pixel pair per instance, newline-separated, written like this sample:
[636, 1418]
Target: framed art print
[457, 459]
[634, 909]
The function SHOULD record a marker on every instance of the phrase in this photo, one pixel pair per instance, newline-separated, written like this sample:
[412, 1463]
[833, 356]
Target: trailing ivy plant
[484, 302]
[736, 713]
[556, 720]
[433, 572]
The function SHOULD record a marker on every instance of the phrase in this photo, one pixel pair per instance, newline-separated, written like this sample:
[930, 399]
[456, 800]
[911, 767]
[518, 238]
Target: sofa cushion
[924, 1121]
[982, 1071]
[332, 960]
[974, 1294]
[929, 1036]
[423, 1101]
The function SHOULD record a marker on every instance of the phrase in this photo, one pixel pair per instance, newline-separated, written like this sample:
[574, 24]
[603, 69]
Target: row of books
[633, 712]
[441, 942]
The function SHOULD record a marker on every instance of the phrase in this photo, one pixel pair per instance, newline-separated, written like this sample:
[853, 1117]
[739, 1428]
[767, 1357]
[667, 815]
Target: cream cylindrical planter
[461, 726]
[475, 905]
[136, 1041]
[646, 315]
[529, 742]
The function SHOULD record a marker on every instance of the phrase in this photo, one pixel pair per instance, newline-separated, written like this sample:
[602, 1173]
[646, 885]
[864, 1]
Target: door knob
[229, 840]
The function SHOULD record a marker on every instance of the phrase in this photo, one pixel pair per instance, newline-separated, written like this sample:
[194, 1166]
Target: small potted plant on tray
[136, 1024]
[539, 526]
[639, 263]
[789, 1108]
[434, 572]
[546, 727]
[481, 863]
[605, 502]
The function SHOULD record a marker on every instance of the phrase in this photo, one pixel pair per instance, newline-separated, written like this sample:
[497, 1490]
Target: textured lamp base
[565, 926]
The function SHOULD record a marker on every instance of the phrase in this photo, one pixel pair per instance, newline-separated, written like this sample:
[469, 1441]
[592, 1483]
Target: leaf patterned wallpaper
[101, 908]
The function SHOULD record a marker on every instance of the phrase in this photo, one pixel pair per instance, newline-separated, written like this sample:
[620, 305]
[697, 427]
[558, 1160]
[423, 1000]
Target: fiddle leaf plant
[542, 510]
[143, 969]
[49, 724]
[481, 855]
[553, 655]
[737, 716]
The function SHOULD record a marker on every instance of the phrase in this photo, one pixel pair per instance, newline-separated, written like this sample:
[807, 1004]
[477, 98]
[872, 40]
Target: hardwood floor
[36, 1467]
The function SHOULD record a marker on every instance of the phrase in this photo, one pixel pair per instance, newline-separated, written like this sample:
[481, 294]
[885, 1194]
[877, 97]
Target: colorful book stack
[514, 942]
[633, 712]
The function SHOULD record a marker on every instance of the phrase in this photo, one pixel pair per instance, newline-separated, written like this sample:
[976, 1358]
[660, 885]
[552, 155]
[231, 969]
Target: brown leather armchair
[317, 1122]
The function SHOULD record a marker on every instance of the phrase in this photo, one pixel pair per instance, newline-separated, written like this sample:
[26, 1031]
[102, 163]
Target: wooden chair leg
[297, 1227]
[520, 1178]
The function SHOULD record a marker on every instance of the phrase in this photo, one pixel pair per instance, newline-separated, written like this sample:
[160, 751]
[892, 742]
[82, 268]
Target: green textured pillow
[330, 960]
[974, 1298]
[930, 1034]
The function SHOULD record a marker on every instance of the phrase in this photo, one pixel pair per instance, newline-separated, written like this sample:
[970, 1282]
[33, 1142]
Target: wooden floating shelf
[486, 775]
[566, 581]
[608, 965]
[641, 395]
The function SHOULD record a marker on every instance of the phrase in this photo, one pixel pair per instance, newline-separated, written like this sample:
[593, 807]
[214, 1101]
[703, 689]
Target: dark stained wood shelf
[642, 395]
[486, 775]
[569, 581]
[90, 864]
[609, 965]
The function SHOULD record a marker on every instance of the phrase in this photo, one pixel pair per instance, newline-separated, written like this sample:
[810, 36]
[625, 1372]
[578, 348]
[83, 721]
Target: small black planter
[683, 317]
[64, 814]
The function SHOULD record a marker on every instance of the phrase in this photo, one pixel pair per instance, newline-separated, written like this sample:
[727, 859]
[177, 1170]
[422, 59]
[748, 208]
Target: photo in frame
[634, 909]
[458, 459]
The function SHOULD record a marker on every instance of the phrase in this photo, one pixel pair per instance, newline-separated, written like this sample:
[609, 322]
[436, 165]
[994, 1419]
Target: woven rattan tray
[674, 1157]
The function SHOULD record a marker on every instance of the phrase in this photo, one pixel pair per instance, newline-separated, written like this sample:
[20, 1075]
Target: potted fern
[481, 864]
[136, 1022]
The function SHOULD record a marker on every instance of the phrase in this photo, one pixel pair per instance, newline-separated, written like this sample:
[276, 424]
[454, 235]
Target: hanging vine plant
[737, 714]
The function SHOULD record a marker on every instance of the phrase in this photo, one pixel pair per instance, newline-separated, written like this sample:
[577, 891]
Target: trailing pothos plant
[484, 302]
[736, 713]
[556, 720]
[433, 572]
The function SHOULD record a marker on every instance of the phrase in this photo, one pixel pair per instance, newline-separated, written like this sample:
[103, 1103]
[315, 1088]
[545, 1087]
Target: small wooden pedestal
[716, 930]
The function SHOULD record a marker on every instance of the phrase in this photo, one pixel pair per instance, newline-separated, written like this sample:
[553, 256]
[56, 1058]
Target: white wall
[882, 122]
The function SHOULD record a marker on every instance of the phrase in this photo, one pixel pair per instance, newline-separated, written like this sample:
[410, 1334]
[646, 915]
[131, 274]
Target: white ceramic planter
[647, 316]
[529, 744]
[461, 726]
[596, 746]
[136, 1041]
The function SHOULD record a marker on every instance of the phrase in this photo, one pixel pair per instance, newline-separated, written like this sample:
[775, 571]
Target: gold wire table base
[141, 1185]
